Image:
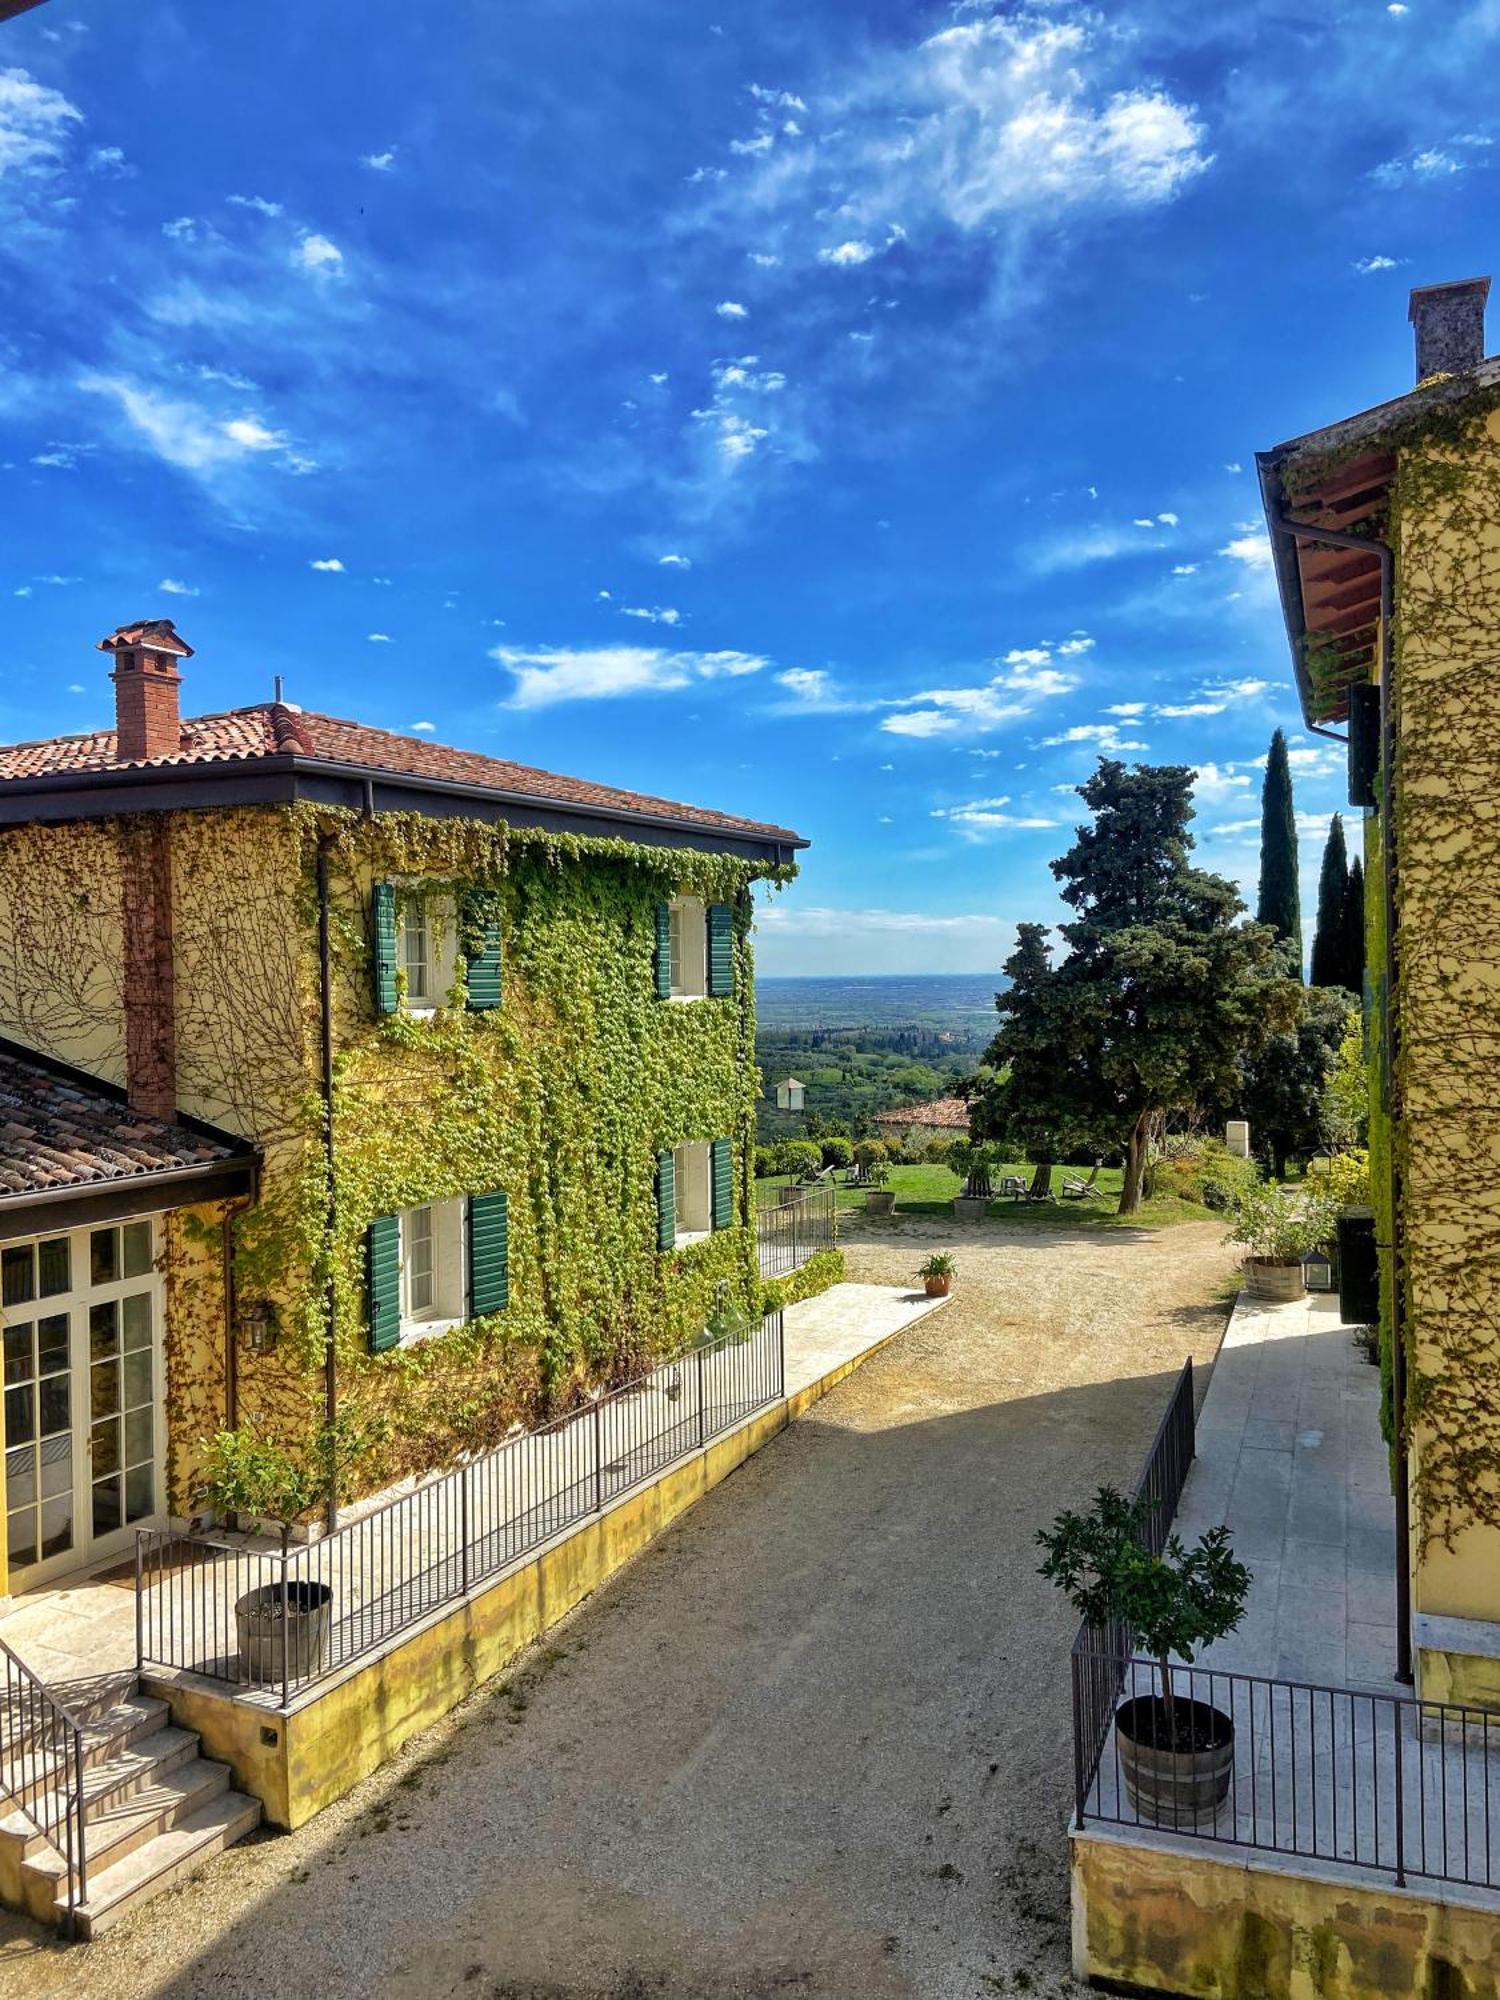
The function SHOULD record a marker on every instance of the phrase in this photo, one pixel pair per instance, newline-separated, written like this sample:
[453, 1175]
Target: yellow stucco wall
[1446, 531]
[61, 953]
[1214, 1927]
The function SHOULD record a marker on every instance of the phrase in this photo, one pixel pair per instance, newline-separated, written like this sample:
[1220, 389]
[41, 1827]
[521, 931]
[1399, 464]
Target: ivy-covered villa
[341, 1071]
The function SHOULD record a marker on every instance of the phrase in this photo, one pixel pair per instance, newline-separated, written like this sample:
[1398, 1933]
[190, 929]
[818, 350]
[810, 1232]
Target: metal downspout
[330, 1302]
[1339, 538]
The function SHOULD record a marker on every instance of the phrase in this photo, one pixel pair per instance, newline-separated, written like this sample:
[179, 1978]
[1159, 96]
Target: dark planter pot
[1266, 1278]
[1175, 1787]
[880, 1201]
[939, 1288]
[261, 1617]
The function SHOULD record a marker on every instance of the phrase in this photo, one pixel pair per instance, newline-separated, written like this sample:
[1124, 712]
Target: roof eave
[287, 777]
[1288, 573]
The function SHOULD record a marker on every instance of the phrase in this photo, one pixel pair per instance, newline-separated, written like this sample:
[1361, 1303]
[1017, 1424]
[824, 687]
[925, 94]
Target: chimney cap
[1421, 293]
[155, 635]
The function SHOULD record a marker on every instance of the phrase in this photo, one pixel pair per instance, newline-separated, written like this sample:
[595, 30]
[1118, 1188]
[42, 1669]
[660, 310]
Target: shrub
[837, 1152]
[1202, 1170]
[765, 1162]
[1279, 1225]
[798, 1156]
[871, 1153]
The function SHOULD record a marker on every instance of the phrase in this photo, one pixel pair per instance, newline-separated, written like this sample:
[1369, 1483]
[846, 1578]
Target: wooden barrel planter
[1169, 1785]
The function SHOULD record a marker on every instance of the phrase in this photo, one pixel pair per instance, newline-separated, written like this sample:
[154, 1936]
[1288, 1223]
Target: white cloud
[315, 253]
[380, 163]
[1182, 708]
[257, 202]
[1365, 265]
[1168, 520]
[1023, 684]
[850, 253]
[109, 160]
[675, 562]
[422, 728]
[1143, 521]
[252, 435]
[1129, 709]
[551, 674]
[731, 309]
[1080, 643]
[656, 614]
[384, 639]
[35, 122]
[1429, 163]
[181, 229]
[332, 565]
[1104, 735]
[1184, 569]
[174, 588]
[981, 816]
[1218, 782]
[182, 433]
[1250, 545]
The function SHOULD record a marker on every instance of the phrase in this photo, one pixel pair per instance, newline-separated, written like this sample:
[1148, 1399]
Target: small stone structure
[1237, 1137]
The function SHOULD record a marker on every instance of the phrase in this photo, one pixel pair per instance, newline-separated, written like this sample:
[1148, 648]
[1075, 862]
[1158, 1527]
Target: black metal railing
[1162, 1476]
[41, 1768]
[1331, 1774]
[323, 1604]
[796, 1229]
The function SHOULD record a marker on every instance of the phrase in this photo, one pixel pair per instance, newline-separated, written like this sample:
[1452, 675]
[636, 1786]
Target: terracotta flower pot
[939, 1287]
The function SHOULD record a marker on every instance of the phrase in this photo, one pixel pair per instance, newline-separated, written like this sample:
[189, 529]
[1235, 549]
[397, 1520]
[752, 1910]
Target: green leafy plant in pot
[282, 1627]
[1278, 1228]
[1177, 1753]
[937, 1275]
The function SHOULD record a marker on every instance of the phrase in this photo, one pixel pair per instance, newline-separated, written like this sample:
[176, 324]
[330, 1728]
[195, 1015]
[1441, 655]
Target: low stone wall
[1228, 1924]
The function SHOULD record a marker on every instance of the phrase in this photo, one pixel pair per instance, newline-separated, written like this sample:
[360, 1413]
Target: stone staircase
[154, 1808]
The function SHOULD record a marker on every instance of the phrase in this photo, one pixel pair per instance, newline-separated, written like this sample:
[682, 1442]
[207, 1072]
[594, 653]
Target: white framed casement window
[689, 938]
[426, 947]
[433, 1276]
[692, 1173]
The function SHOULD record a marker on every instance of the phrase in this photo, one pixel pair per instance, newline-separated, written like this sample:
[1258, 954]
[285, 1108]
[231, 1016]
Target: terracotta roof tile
[59, 1130]
[271, 729]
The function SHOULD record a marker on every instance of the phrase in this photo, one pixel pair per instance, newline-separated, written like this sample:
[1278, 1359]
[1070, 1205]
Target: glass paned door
[80, 1331]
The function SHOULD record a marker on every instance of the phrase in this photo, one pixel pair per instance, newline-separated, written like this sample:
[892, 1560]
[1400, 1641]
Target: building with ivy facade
[342, 1071]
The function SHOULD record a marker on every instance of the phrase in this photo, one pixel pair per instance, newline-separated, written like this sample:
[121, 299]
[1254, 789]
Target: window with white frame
[689, 935]
[433, 1279]
[692, 1174]
[426, 947]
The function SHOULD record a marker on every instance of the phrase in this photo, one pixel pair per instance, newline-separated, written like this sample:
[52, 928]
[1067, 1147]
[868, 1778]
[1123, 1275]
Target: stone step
[107, 1783]
[119, 1830]
[106, 1733]
[114, 1891]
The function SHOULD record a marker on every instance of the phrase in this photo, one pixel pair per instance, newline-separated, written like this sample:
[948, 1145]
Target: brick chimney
[1449, 322]
[146, 681]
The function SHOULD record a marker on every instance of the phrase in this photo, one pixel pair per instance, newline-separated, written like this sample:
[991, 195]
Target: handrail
[40, 1729]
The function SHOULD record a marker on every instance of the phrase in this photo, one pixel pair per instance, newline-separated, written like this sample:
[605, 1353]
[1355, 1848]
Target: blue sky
[840, 413]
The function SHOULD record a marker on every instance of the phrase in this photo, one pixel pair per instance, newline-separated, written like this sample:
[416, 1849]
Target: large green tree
[1279, 904]
[1162, 996]
[1352, 929]
[1284, 1093]
[1327, 967]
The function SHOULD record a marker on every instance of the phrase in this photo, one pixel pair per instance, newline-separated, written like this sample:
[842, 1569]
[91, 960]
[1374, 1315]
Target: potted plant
[1177, 1754]
[937, 1275]
[870, 1158]
[972, 1202]
[251, 1474]
[1278, 1228]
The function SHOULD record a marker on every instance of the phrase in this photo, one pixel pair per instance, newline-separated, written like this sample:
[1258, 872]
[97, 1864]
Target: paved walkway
[813, 1741]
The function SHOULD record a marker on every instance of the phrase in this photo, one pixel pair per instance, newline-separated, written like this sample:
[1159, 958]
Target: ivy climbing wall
[562, 1097]
[1445, 529]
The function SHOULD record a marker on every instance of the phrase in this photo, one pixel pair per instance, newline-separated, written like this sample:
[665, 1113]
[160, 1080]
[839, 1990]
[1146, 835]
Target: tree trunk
[1041, 1181]
[1135, 1165]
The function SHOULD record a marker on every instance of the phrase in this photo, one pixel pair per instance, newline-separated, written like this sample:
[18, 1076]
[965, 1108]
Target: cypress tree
[1352, 929]
[1328, 955]
[1279, 905]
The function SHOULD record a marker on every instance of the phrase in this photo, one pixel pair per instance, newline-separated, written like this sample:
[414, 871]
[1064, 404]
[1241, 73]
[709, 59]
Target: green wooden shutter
[663, 960]
[720, 950]
[483, 967]
[489, 1254]
[666, 1202]
[383, 1282]
[721, 1181]
[383, 927]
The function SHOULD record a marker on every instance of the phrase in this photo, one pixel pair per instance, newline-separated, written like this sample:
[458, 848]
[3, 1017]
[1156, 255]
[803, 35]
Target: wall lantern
[259, 1327]
[1317, 1272]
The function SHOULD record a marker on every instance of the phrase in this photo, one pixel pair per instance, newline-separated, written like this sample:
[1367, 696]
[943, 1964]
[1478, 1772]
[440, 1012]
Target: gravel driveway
[813, 1742]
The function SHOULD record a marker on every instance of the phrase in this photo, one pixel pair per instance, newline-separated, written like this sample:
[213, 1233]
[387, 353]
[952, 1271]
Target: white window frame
[688, 920]
[693, 1190]
[439, 920]
[448, 1274]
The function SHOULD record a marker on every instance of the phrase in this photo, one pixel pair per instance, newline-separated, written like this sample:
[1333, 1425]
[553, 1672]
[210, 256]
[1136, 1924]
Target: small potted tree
[1278, 1227]
[972, 1202]
[250, 1474]
[1177, 1754]
[870, 1158]
[937, 1275]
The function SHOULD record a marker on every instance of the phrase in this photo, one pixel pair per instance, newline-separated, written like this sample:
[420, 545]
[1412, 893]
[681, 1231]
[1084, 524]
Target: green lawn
[929, 1190]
